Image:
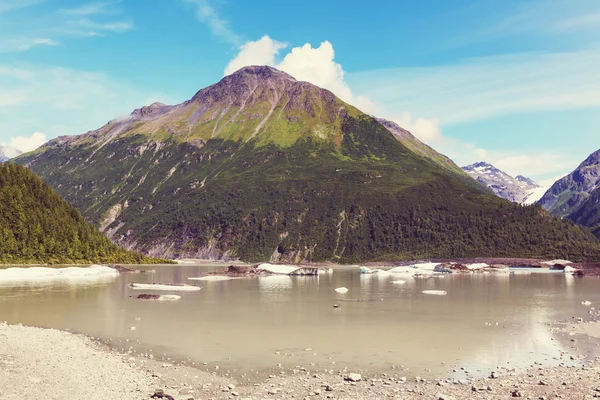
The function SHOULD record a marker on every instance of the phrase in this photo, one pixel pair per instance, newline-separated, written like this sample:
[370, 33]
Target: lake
[250, 325]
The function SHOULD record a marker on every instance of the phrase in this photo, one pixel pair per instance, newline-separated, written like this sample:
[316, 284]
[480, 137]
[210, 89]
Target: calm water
[483, 321]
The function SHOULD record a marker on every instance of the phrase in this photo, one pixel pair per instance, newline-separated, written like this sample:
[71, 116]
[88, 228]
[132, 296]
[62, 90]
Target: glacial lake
[250, 325]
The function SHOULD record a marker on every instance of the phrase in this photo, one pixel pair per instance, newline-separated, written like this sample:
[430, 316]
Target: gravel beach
[40, 363]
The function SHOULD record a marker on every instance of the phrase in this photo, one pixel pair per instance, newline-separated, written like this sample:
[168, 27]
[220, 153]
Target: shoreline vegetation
[82, 367]
[37, 226]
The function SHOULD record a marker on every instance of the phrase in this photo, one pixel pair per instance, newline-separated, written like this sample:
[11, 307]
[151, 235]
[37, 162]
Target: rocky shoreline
[45, 363]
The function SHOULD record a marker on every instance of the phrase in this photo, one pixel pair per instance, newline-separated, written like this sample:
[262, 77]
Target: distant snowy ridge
[6, 153]
[518, 190]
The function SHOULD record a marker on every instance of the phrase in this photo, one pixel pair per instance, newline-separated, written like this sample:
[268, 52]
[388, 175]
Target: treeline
[38, 226]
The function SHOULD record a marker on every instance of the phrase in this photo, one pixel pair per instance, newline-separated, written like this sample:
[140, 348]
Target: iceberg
[435, 292]
[158, 286]
[287, 269]
[159, 297]
[42, 275]
[210, 278]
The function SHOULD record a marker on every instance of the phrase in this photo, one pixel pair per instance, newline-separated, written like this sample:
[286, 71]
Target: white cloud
[61, 101]
[8, 5]
[27, 143]
[316, 65]
[92, 28]
[91, 9]
[259, 52]
[23, 44]
[218, 26]
[481, 88]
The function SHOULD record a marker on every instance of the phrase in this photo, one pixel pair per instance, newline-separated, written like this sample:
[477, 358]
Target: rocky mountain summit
[570, 192]
[517, 190]
[262, 167]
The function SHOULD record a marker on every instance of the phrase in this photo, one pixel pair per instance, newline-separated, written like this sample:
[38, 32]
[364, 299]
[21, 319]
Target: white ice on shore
[559, 262]
[435, 292]
[209, 278]
[162, 287]
[569, 269]
[91, 274]
[476, 266]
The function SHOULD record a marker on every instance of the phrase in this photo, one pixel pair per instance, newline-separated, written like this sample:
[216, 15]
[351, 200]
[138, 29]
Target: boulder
[353, 377]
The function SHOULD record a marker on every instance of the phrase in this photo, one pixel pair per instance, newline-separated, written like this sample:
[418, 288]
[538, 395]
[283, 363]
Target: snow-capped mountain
[519, 189]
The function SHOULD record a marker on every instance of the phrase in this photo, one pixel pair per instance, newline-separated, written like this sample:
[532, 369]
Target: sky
[512, 82]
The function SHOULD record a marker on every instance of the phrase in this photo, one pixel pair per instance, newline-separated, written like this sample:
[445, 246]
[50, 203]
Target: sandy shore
[40, 363]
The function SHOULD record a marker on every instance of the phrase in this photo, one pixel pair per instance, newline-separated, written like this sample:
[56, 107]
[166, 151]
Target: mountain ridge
[518, 190]
[567, 194]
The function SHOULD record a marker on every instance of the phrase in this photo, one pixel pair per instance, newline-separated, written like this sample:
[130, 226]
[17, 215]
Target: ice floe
[288, 269]
[342, 290]
[159, 297]
[41, 275]
[210, 278]
[158, 286]
[435, 292]
[399, 282]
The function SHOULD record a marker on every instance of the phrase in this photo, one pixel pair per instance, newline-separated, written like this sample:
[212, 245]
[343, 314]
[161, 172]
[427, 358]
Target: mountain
[260, 166]
[570, 192]
[588, 213]
[517, 190]
[38, 226]
[6, 153]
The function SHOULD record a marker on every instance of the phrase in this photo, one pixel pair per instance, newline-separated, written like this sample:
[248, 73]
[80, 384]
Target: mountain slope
[260, 166]
[517, 190]
[570, 192]
[418, 147]
[588, 214]
[37, 226]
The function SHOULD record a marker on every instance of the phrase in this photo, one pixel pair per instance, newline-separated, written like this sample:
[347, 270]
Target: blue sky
[512, 82]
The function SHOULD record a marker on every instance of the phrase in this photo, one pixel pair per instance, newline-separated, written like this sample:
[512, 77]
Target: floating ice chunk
[158, 297]
[425, 266]
[210, 278]
[342, 290]
[404, 270]
[586, 303]
[158, 286]
[476, 265]
[288, 269]
[435, 292]
[399, 282]
[36, 275]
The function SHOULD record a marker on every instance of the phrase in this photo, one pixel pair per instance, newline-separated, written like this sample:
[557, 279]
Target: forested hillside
[38, 226]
